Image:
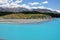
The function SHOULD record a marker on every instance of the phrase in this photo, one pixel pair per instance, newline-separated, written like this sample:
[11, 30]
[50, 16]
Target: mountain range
[21, 9]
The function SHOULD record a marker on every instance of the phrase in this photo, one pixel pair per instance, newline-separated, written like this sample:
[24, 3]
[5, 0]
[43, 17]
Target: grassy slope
[23, 15]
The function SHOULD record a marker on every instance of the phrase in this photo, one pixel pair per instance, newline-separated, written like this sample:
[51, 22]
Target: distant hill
[18, 10]
[21, 9]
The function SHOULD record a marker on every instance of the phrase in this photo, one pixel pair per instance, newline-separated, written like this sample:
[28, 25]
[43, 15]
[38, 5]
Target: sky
[43, 4]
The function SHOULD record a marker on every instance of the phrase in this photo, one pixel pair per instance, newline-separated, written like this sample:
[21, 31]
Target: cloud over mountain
[16, 3]
[10, 3]
[3, 1]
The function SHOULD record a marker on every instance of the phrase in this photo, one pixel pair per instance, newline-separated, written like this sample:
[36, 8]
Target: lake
[39, 31]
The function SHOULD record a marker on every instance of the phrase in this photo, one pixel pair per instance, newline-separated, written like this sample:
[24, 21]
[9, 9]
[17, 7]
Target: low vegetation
[24, 15]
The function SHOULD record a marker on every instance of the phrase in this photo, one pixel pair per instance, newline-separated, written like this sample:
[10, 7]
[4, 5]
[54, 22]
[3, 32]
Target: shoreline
[23, 21]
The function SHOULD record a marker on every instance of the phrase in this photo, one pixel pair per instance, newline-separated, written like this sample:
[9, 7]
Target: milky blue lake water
[42, 31]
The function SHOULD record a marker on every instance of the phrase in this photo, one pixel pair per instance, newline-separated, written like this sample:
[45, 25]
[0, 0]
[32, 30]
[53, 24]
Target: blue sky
[49, 4]
[54, 4]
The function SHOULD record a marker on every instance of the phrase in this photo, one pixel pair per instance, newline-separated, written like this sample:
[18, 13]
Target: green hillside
[22, 15]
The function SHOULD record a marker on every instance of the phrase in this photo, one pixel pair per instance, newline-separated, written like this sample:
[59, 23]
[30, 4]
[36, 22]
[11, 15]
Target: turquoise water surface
[42, 31]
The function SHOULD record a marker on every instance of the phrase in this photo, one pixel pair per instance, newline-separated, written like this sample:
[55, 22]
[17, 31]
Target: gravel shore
[23, 21]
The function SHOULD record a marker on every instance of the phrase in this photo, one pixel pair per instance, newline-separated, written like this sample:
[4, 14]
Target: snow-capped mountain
[21, 9]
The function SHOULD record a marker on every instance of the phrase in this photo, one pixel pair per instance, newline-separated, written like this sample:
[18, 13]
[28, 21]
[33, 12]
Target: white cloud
[58, 11]
[38, 3]
[43, 7]
[39, 7]
[34, 3]
[10, 0]
[53, 9]
[18, 1]
[45, 2]
[10, 3]
[25, 6]
[3, 1]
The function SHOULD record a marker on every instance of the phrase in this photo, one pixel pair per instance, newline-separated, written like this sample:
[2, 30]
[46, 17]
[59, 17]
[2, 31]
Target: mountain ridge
[21, 9]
